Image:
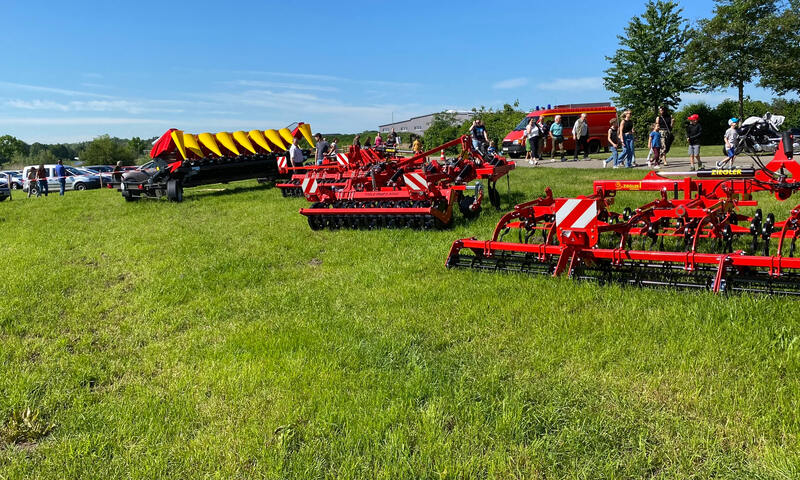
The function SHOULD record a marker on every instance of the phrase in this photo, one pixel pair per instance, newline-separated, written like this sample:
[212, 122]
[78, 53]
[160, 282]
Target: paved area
[674, 164]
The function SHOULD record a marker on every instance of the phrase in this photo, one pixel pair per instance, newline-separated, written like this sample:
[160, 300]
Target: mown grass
[222, 338]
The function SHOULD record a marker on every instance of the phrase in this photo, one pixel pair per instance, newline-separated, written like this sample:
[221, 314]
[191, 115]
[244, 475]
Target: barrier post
[8, 184]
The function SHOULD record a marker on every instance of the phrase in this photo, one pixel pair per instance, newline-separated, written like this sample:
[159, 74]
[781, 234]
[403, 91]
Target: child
[655, 145]
[492, 149]
[731, 139]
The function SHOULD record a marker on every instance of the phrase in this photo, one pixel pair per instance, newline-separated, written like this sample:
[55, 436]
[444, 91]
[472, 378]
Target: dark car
[4, 191]
[16, 178]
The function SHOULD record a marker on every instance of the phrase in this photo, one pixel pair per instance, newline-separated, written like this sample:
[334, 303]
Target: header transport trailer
[598, 116]
[182, 159]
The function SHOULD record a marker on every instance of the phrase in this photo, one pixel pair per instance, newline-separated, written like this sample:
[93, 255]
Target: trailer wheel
[174, 190]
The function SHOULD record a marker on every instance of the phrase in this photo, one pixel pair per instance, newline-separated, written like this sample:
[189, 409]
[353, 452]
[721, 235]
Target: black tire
[594, 147]
[2, 198]
[79, 186]
[34, 191]
[130, 198]
[174, 190]
[16, 186]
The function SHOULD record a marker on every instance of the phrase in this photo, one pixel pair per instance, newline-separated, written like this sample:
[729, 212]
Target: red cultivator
[406, 192]
[335, 170]
[701, 240]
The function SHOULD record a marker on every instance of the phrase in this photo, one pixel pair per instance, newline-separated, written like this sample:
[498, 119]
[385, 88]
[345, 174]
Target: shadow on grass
[221, 190]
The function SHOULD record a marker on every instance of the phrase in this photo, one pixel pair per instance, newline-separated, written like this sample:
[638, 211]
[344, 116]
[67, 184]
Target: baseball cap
[693, 116]
[733, 120]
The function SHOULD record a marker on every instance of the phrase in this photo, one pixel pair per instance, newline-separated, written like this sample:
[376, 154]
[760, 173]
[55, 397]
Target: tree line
[661, 56]
[103, 150]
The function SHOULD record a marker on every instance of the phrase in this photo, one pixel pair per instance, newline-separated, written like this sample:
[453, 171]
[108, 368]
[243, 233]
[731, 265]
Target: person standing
[41, 176]
[731, 139]
[534, 138]
[334, 147]
[479, 136]
[627, 139]
[614, 143]
[665, 123]
[116, 174]
[378, 140]
[655, 146]
[526, 136]
[693, 133]
[580, 131]
[557, 136]
[32, 181]
[322, 149]
[61, 175]
[296, 154]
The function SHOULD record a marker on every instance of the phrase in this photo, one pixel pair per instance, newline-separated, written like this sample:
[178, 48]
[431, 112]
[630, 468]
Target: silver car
[76, 180]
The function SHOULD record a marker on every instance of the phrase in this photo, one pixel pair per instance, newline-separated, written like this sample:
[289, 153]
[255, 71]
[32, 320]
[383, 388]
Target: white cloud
[289, 86]
[38, 121]
[128, 106]
[510, 83]
[585, 83]
[59, 91]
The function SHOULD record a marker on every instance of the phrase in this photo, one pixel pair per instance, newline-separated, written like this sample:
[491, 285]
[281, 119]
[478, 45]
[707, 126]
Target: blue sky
[75, 70]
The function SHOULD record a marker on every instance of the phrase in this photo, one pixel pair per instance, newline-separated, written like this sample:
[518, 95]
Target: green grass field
[222, 338]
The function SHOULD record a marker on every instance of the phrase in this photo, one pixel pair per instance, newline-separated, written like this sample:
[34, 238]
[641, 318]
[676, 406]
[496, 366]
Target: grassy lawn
[222, 338]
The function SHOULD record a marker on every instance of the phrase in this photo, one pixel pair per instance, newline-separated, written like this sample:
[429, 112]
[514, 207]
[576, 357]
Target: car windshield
[522, 124]
[74, 171]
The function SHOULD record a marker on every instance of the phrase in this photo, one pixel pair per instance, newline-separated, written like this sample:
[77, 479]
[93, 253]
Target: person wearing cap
[731, 139]
[693, 133]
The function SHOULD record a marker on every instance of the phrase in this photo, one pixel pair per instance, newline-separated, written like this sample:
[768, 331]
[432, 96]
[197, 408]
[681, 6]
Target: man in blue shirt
[61, 175]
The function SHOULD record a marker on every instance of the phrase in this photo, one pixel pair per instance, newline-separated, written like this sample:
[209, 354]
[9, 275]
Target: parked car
[76, 180]
[16, 178]
[5, 192]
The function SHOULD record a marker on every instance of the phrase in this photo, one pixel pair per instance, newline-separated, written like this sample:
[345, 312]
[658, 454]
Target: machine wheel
[174, 190]
[594, 146]
[464, 205]
[79, 186]
[34, 190]
[130, 198]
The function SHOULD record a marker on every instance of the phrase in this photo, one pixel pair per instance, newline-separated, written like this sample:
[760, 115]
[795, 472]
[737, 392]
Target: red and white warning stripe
[575, 213]
[281, 163]
[415, 181]
[343, 159]
[310, 186]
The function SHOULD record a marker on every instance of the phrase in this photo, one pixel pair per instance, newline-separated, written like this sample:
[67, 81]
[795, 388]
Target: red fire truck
[597, 116]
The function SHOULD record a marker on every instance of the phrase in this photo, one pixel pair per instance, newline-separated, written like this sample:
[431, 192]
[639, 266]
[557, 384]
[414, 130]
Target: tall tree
[137, 145]
[780, 70]
[649, 68]
[11, 146]
[728, 50]
[105, 151]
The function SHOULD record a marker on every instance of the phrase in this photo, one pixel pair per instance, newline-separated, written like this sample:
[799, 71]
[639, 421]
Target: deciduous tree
[729, 49]
[650, 67]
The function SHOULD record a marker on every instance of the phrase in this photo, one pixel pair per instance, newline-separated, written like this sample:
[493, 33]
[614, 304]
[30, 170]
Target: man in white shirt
[295, 154]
